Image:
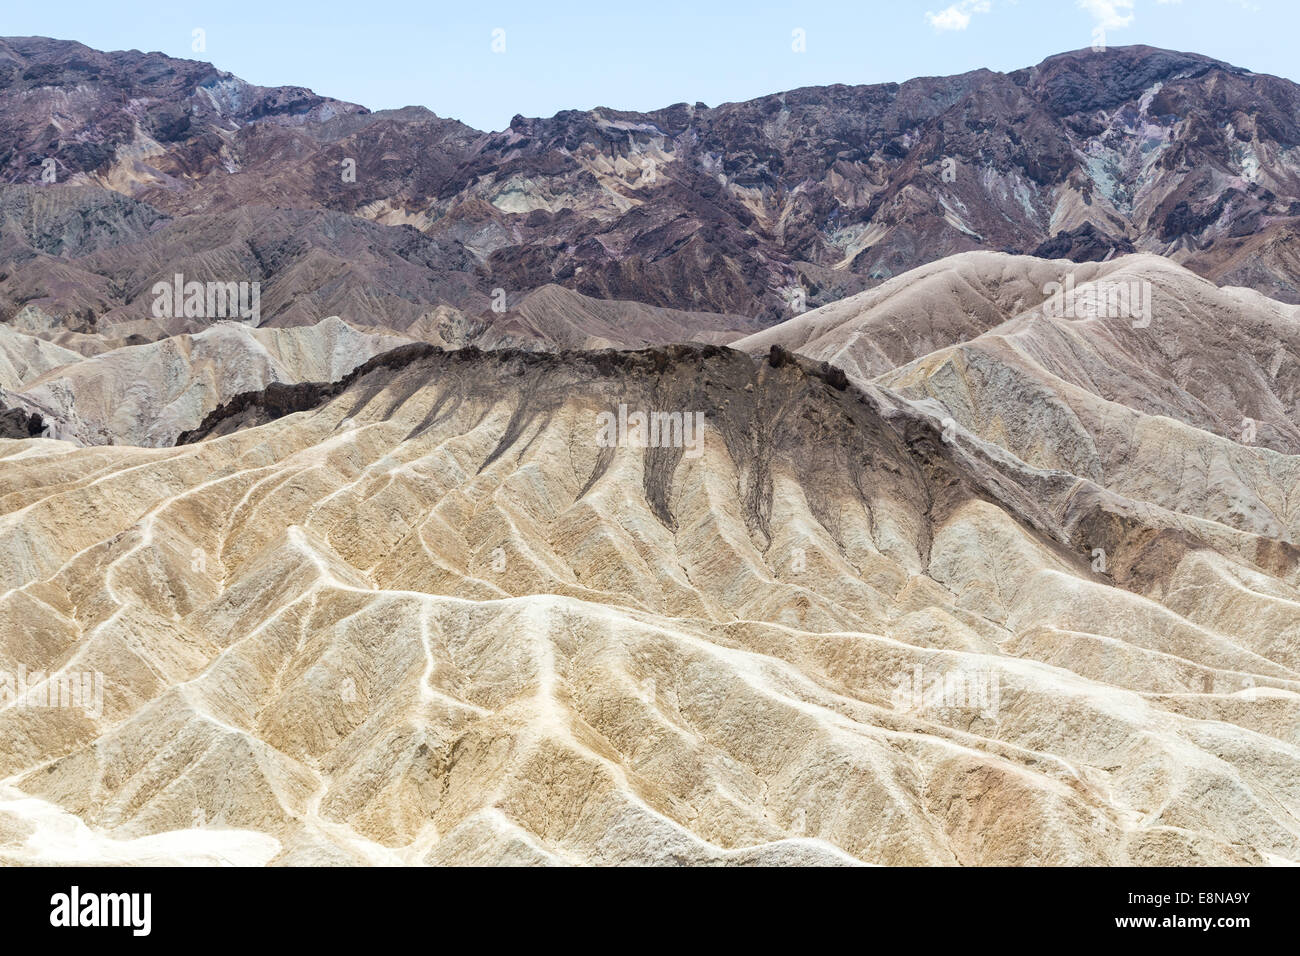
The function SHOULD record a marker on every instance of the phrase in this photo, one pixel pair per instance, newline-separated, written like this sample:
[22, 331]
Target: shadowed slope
[427, 617]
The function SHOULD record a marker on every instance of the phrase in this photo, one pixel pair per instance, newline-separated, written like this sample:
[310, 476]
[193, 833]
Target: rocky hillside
[430, 617]
[800, 197]
[902, 474]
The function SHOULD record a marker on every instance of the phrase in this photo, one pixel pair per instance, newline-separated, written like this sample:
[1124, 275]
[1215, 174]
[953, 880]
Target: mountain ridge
[432, 620]
[753, 208]
[903, 474]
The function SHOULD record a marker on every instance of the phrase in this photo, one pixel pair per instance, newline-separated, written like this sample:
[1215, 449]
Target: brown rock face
[741, 209]
[509, 526]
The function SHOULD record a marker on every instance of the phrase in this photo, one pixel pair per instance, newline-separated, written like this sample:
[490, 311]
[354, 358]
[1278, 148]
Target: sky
[484, 62]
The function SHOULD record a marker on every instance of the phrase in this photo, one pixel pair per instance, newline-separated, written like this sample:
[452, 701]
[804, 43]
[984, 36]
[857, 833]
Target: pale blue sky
[643, 54]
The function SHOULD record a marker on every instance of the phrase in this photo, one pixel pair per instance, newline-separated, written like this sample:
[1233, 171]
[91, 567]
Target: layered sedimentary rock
[732, 209]
[149, 394]
[450, 552]
[444, 614]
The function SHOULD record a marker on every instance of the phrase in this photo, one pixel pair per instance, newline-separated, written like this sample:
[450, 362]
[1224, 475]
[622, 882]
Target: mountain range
[739, 209]
[900, 474]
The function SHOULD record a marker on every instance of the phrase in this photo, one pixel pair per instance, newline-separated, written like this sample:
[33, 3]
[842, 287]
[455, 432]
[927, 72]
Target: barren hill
[429, 617]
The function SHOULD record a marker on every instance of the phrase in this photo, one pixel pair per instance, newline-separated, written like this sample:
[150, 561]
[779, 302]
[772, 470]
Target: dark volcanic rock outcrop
[19, 423]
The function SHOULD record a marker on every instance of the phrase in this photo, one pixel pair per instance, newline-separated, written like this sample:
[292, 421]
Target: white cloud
[957, 16]
[1109, 14]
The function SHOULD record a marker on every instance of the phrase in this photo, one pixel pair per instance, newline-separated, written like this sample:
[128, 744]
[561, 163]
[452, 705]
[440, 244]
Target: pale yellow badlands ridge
[433, 621]
[148, 394]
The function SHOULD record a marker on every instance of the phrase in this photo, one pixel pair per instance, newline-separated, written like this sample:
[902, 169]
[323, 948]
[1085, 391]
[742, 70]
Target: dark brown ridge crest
[279, 399]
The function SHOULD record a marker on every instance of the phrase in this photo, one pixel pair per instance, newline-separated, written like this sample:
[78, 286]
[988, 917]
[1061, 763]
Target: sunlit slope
[431, 619]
